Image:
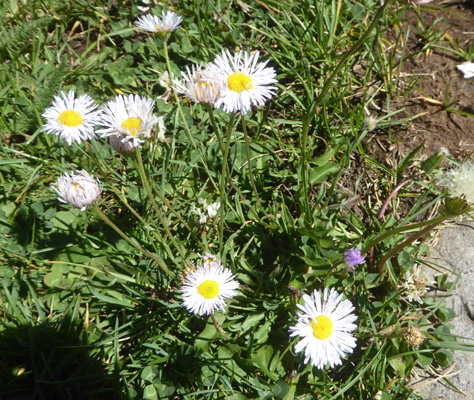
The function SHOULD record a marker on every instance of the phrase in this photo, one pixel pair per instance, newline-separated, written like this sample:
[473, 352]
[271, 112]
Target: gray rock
[455, 251]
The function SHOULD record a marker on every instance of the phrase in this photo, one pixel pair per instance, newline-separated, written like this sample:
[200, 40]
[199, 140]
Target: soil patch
[440, 92]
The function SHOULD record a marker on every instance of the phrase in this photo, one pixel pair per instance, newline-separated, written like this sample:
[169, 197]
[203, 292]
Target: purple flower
[353, 257]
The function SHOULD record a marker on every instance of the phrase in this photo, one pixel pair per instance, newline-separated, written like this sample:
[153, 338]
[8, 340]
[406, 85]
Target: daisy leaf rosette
[72, 118]
[80, 190]
[206, 289]
[246, 82]
[130, 117]
[323, 326]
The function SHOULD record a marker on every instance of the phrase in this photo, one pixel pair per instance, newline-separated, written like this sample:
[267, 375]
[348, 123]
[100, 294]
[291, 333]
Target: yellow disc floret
[208, 289]
[238, 82]
[70, 118]
[132, 125]
[322, 327]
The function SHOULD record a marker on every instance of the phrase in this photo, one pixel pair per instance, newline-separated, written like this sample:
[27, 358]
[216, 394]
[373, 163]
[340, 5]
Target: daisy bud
[456, 206]
[80, 190]
[120, 145]
[370, 123]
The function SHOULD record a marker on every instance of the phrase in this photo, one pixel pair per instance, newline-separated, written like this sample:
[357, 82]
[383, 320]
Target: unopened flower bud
[120, 146]
[80, 190]
[454, 206]
[370, 123]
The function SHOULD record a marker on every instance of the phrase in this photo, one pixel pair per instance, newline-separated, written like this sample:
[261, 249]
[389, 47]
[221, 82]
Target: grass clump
[253, 205]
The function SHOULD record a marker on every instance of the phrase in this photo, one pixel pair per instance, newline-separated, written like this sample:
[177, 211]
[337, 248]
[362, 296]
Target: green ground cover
[91, 301]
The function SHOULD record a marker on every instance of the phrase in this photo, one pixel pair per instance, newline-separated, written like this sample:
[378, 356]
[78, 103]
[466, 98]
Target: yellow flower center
[208, 289]
[202, 86]
[132, 125]
[70, 118]
[322, 327]
[238, 82]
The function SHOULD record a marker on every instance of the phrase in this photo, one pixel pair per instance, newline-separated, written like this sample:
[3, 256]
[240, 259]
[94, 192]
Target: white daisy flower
[460, 181]
[246, 82]
[169, 22]
[71, 118]
[130, 117]
[323, 327]
[200, 85]
[207, 288]
[80, 190]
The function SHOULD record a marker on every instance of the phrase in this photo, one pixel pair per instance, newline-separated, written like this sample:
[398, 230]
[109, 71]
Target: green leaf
[280, 389]
[53, 279]
[424, 358]
[321, 174]
[165, 390]
[150, 392]
[203, 341]
[237, 396]
[444, 357]
[323, 160]
[110, 300]
[265, 358]
[385, 395]
[65, 220]
[150, 374]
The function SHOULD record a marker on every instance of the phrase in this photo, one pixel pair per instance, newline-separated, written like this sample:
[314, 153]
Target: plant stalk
[249, 158]
[223, 179]
[154, 257]
[218, 327]
[405, 243]
[141, 169]
[378, 239]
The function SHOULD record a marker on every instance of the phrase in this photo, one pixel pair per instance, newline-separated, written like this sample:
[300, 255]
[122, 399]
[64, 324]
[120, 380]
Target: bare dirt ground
[439, 86]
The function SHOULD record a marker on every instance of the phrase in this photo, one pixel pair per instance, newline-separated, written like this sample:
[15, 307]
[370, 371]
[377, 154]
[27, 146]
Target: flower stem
[221, 145]
[188, 131]
[405, 243]
[214, 126]
[249, 158]
[167, 204]
[218, 327]
[117, 192]
[155, 206]
[223, 179]
[400, 229]
[154, 257]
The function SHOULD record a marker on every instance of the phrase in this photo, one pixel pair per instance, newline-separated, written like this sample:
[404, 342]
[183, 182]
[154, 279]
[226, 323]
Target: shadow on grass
[51, 361]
